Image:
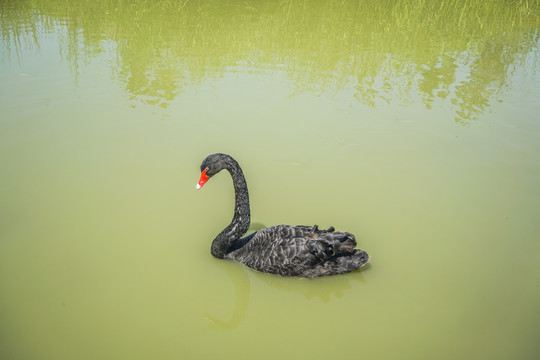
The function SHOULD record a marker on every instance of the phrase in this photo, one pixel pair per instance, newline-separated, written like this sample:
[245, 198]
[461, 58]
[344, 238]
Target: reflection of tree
[488, 73]
[387, 50]
[156, 85]
[438, 77]
[18, 27]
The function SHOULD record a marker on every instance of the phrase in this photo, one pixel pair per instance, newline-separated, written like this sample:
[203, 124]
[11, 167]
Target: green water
[412, 124]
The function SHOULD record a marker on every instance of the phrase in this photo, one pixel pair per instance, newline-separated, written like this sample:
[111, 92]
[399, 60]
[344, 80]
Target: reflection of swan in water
[241, 284]
[322, 288]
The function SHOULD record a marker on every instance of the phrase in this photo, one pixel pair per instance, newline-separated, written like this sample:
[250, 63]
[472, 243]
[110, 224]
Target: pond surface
[412, 124]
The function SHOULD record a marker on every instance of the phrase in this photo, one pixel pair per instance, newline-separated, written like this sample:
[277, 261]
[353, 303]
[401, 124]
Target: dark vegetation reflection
[460, 51]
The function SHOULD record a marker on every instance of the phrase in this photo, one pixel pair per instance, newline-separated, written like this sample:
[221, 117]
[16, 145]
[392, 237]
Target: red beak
[202, 180]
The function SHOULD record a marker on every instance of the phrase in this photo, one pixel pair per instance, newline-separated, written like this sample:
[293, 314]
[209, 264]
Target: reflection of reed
[387, 50]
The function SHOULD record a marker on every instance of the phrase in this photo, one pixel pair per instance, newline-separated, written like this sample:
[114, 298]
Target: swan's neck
[241, 219]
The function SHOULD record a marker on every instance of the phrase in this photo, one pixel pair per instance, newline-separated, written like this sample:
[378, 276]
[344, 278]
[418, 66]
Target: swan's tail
[340, 264]
[335, 252]
[341, 241]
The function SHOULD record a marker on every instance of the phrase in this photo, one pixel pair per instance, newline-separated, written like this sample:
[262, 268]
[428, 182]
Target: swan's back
[299, 251]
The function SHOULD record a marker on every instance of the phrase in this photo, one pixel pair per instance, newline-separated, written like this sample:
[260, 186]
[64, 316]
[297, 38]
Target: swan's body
[283, 249]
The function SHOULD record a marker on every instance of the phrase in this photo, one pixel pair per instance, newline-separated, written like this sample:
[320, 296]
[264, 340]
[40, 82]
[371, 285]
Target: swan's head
[212, 165]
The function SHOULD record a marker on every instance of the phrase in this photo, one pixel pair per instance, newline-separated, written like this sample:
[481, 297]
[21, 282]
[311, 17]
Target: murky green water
[413, 124]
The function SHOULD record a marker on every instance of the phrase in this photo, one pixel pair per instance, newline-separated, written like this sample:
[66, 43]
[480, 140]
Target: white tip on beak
[198, 187]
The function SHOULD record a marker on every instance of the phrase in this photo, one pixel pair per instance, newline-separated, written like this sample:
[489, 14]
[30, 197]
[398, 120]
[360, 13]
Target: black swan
[283, 249]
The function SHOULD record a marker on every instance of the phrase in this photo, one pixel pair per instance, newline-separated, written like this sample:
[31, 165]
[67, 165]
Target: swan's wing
[286, 249]
[316, 246]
